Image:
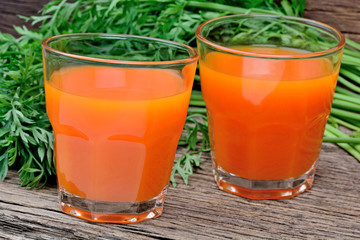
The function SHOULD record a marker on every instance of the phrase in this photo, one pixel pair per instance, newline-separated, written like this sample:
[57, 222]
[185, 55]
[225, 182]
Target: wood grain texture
[330, 210]
[9, 9]
[343, 15]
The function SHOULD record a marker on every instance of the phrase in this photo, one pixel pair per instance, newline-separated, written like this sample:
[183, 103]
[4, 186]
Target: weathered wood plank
[343, 15]
[330, 210]
[10, 9]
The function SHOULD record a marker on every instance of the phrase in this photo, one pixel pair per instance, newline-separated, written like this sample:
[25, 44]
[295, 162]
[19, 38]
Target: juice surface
[116, 130]
[266, 116]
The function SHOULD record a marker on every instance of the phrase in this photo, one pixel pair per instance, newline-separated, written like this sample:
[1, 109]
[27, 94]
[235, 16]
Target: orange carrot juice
[116, 130]
[266, 116]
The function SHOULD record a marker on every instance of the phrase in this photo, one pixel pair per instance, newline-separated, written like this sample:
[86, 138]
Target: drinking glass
[268, 84]
[117, 105]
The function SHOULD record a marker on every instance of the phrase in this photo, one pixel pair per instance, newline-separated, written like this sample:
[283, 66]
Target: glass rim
[193, 55]
[305, 21]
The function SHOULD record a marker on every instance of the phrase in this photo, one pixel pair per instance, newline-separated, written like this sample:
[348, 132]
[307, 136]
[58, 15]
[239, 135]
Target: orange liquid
[266, 117]
[116, 130]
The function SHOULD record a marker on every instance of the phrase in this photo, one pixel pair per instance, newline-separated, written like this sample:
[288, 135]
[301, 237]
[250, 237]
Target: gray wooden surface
[9, 9]
[330, 210]
[343, 15]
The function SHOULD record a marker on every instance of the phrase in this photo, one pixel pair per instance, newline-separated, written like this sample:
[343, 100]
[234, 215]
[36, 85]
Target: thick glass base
[114, 212]
[263, 189]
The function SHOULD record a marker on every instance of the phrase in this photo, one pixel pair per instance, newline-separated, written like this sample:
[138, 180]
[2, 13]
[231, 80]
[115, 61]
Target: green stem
[346, 105]
[226, 8]
[263, 30]
[345, 114]
[349, 84]
[345, 146]
[353, 122]
[351, 52]
[341, 140]
[12, 53]
[192, 110]
[346, 98]
[197, 103]
[340, 134]
[353, 44]
[345, 124]
[347, 92]
[196, 97]
[350, 75]
[350, 60]
[196, 92]
[30, 90]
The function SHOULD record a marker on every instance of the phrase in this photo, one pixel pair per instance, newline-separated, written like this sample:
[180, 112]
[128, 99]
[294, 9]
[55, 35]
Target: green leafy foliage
[196, 140]
[25, 136]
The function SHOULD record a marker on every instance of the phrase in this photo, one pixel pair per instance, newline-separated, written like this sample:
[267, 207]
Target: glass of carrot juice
[268, 84]
[117, 105]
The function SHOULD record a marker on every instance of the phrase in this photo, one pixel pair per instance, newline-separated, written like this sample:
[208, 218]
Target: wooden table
[330, 210]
